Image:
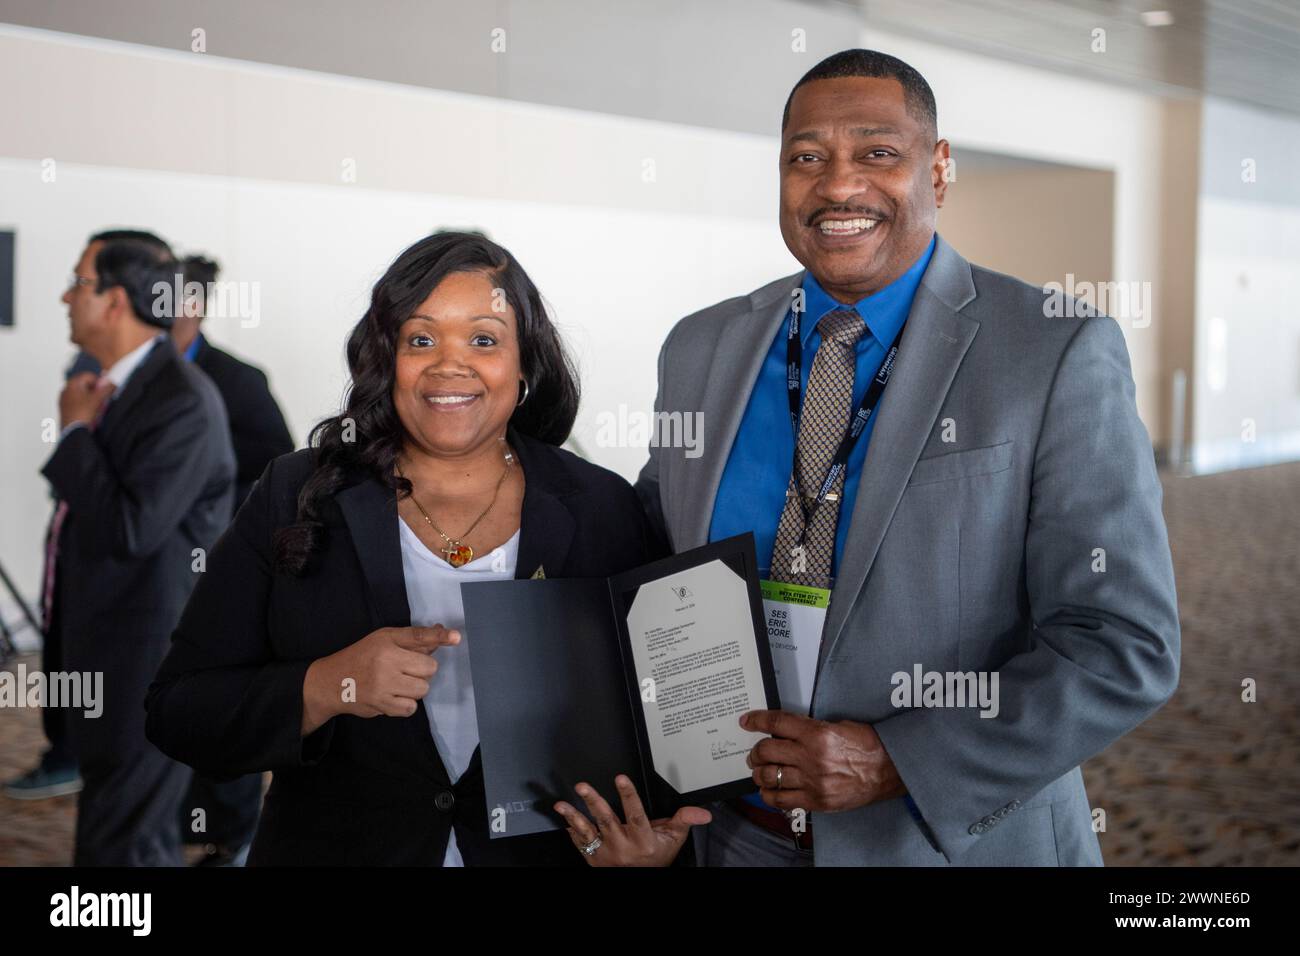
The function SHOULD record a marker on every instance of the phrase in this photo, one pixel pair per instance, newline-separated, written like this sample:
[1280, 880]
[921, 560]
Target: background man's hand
[824, 766]
[83, 395]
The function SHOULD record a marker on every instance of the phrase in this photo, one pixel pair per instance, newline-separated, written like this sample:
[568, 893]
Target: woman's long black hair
[367, 436]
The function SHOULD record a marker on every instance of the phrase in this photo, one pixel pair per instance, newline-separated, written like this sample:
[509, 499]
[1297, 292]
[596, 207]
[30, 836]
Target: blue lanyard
[794, 391]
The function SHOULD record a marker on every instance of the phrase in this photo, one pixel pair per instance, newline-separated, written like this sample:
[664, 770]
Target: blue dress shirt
[193, 350]
[751, 494]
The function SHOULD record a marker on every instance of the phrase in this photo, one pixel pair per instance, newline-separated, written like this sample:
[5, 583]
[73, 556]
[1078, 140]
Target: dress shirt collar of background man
[123, 367]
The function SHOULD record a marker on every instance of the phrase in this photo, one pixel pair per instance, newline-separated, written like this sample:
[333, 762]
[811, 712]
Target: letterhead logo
[684, 596]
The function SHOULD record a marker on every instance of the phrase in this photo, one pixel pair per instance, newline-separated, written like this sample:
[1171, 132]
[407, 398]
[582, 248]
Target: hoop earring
[525, 398]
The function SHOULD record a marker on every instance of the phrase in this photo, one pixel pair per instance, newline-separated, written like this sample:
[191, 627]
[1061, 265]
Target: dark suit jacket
[228, 699]
[149, 485]
[257, 427]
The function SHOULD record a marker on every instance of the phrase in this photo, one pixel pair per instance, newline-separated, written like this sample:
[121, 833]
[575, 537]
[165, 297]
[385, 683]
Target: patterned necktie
[803, 553]
[52, 541]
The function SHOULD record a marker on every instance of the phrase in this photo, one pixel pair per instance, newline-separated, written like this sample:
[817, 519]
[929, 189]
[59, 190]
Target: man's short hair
[138, 266]
[139, 235]
[916, 91]
[200, 269]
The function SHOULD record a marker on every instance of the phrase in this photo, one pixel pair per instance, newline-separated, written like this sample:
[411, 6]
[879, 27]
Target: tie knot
[845, 326]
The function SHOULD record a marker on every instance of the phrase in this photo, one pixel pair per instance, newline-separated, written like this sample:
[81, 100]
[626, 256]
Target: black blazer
[150, 484]
[228, 698]
[257, 428]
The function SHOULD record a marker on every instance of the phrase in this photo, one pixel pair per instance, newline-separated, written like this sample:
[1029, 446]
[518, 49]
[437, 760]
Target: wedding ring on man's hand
[591, 847]
[780, 772]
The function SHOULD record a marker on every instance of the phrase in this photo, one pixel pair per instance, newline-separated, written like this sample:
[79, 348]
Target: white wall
[618, 259]
[1008, 108]
[1247, 395]
[243, 161]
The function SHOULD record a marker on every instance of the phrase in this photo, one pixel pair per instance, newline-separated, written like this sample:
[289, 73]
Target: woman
[323, 642]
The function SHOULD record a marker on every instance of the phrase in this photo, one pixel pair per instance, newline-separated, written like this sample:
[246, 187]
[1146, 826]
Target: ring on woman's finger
[592, 847]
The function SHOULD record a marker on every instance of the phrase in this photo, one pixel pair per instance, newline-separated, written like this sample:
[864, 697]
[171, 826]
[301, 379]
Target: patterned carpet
[1209, 780]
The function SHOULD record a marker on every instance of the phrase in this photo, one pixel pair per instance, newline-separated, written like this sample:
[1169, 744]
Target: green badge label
[795, 594]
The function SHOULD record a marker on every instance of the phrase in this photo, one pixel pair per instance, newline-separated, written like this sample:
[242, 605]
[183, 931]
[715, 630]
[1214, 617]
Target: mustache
[854, 212]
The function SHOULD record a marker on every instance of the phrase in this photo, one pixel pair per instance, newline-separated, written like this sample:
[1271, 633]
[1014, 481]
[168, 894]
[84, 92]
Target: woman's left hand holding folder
[638, 842]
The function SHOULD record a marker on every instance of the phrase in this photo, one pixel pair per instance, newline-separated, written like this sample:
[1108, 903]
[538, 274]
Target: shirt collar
[884, 311]
[193, 350]
[121, 370]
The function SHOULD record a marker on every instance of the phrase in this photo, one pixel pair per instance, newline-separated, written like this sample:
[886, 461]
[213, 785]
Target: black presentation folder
[557, 693]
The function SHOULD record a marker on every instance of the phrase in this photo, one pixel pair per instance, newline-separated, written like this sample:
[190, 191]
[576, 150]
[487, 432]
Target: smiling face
[458, 368]
[861, 180]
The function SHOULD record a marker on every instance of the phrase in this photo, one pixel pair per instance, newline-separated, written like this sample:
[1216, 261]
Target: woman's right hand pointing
[386, 673]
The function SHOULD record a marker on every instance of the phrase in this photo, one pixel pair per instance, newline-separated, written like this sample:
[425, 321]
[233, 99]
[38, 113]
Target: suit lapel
[934, 343]
[545, 534]
[370, 511]
[546, 527]
[742, 347]
[119, 407]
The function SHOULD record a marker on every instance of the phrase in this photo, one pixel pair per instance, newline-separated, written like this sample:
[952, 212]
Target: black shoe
[44, 782]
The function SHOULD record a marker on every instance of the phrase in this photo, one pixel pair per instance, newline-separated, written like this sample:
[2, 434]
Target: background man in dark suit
[57, 774]
[144, 473]
[258, 433]
[257, 428]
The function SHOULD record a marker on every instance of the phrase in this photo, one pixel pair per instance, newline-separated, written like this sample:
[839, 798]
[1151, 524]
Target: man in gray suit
[1005, 526]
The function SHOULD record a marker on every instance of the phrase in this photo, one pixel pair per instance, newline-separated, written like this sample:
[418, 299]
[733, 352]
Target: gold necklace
[458, 553]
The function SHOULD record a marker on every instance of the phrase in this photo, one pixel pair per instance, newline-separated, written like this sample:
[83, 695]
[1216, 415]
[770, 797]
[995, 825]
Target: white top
[433, 593]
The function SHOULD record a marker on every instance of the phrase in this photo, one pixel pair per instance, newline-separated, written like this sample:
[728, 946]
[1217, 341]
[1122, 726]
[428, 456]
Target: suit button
[976, 829]
[444, 801]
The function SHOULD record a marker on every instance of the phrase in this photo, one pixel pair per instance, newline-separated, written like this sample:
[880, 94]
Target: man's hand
[83, 395]
[824, 766]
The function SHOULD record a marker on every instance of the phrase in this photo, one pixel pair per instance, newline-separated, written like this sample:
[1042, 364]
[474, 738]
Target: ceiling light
[1157, 18]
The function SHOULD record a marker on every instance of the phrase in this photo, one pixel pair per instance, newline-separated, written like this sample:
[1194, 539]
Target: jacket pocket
[962, 464]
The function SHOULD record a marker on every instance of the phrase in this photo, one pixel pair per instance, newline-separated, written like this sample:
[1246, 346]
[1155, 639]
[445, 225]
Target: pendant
[460, 555]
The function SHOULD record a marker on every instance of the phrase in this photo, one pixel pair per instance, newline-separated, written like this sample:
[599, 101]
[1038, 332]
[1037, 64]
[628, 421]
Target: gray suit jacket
[979, 553]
